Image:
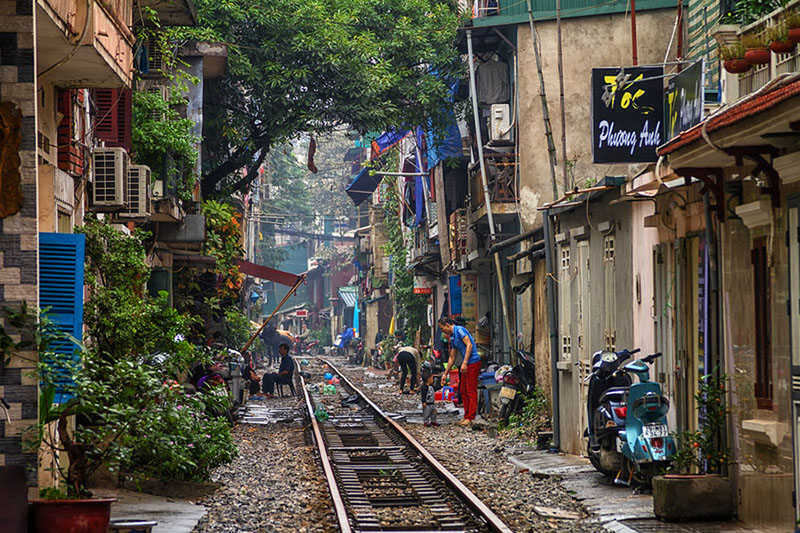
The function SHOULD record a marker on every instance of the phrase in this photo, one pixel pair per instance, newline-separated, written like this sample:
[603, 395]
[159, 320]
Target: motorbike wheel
[596, 463]
[507, 409]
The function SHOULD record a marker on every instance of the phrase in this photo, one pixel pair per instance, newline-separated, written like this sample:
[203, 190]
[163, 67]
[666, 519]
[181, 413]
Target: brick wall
[18, 233]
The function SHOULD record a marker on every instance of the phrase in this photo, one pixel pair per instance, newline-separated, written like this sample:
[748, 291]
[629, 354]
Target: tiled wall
[19, 233]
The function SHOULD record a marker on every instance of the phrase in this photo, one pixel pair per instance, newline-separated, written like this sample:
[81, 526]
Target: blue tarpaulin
[363, 186]
[386, 140]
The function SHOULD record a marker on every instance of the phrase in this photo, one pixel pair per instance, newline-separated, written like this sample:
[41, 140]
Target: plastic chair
[291, 388]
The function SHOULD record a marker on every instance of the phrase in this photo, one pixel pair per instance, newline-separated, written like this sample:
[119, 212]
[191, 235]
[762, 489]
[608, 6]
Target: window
[763, 348]
[565, 304]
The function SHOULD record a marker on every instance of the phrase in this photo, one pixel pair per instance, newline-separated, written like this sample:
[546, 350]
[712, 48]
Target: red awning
[271, 274]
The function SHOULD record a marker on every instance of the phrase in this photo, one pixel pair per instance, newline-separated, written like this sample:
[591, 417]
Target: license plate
[619, 444]
[508, 392]
[654, 430]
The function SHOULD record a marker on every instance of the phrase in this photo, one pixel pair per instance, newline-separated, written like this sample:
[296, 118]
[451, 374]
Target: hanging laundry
[492, 82]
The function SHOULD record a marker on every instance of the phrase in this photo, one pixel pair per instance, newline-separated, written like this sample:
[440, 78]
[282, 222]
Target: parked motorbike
[299, 345]
[314, 348]
[518, 383]
[627, 422]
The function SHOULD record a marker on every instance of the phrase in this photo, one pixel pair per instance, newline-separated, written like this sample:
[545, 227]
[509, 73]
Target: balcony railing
[104, 57]
[760, 75]
[501, 175]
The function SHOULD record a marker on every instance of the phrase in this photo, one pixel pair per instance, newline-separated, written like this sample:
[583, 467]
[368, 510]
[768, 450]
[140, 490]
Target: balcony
[88, 40]
[501, 175]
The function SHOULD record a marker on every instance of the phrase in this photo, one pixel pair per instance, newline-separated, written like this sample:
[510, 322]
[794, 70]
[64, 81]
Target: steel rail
[336, 496]
[473, 502]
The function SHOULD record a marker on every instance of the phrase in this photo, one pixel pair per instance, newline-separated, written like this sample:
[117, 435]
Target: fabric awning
[270, 274]
[363, 186]
[348, 296]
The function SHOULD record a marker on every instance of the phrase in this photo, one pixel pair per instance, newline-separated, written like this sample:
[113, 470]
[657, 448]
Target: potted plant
[792, 22]
[756, 49]
[779, 41]
[694, 488]
[733, 58]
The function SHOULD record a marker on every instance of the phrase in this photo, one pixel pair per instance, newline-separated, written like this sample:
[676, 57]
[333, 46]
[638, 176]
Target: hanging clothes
[492, 82]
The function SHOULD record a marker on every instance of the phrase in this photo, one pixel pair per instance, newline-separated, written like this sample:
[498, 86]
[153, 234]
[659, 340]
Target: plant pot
[737, 66]
[757, 56]
[794, 34]
[71, 516]
[692, 497]
[782, 47]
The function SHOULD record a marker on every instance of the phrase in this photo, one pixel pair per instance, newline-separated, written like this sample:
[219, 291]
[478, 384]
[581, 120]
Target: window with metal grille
[565, 303]
[763, 348]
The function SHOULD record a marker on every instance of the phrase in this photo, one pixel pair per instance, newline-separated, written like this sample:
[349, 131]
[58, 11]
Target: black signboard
[627, 114]
[683, 101]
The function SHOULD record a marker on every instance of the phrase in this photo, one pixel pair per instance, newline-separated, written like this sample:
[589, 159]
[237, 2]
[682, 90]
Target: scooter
[314, 348]
[628, 432]
[518, 383]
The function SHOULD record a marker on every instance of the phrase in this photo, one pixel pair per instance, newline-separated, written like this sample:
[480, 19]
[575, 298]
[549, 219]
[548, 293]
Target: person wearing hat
[285, 372]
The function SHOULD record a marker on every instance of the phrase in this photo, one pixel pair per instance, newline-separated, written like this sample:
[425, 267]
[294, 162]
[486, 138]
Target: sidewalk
[173, 515]
[618, 509]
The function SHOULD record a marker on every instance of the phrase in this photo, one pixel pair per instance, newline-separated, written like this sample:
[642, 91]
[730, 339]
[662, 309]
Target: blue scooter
[629, 432]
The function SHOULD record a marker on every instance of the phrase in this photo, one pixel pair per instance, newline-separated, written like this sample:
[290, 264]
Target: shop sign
[422, 285]
[454, 283]
[627, 114]
[469, 300]
[684, 100]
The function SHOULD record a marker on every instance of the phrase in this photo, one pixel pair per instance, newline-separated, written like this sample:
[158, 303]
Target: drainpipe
[551, 319]
[501, 285]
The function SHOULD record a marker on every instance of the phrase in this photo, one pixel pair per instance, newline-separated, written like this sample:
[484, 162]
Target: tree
[315, 65]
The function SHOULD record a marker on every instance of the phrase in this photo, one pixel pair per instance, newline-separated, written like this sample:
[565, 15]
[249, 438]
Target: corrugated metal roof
[348, 296]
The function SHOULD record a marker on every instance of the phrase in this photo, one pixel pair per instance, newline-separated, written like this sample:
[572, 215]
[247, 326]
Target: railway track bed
[380, 477]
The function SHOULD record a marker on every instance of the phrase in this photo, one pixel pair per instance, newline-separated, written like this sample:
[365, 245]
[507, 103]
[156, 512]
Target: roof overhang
[171, 12]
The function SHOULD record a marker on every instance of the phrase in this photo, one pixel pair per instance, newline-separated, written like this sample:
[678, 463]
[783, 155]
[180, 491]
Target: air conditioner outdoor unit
[499, 122]
[110, 174]
[138, 185]
[155, 58]
[163, 92]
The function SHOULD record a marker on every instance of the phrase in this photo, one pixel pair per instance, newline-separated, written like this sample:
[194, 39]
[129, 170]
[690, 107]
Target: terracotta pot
[782, 47]
[71, 516]
[736, 66]
[794, 34]
[757, 56]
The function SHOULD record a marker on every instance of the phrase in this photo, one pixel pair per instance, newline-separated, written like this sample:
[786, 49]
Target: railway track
[381, 478]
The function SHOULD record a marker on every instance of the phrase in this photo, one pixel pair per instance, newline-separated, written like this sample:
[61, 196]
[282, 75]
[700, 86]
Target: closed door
[794, 312]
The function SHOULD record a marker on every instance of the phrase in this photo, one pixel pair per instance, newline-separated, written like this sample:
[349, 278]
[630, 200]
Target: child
[428, 396]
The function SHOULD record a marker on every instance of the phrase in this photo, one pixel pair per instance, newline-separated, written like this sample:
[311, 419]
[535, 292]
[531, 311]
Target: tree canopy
[314, 65]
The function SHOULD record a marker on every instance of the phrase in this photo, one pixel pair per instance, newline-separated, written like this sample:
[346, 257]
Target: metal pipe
[486, 196]
[514, 240]
[565, 177]
[551, 319]
[634, 45]
[399, 174]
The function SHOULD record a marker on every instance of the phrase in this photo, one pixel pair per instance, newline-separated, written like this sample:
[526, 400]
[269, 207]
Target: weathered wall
[599, 41]
[19, 233]
[765, 464]
[588, 336]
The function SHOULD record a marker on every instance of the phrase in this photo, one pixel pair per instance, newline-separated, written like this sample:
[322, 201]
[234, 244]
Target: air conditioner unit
[138, 188]
[499, 122]
[163, 92]
[110, 174]
[155, 58]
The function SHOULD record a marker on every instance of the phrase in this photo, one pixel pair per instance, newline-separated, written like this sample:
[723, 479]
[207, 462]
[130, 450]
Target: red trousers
[468, 385]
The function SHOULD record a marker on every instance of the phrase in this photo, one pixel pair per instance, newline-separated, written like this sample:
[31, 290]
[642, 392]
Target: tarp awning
[363, 186]
[270, 274]
[348, 296]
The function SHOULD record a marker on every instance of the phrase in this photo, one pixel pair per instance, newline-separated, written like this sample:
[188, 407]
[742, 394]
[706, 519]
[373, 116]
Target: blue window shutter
[61, 259]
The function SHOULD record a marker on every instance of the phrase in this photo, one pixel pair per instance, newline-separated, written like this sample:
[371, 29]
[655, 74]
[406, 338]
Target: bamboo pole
[297, 284]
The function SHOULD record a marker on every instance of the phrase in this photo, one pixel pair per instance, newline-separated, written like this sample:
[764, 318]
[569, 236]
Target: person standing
[462, 343]
[428, 397]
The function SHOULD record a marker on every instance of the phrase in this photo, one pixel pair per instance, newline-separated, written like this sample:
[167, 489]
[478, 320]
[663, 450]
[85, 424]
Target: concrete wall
[599, 41]
[765, 458]
[19, 241]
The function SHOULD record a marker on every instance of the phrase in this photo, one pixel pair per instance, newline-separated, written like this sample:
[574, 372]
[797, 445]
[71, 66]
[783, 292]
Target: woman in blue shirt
[462, 344]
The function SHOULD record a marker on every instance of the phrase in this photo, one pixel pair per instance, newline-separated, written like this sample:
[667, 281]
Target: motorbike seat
[615, 394]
